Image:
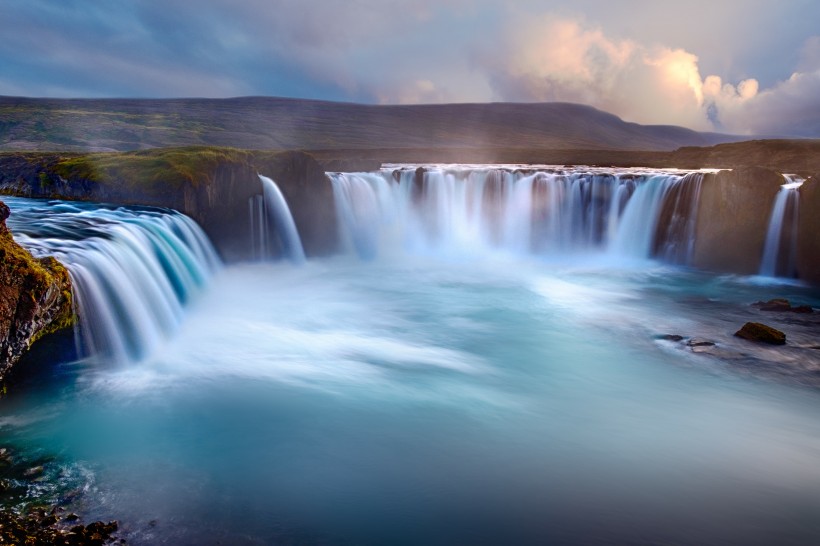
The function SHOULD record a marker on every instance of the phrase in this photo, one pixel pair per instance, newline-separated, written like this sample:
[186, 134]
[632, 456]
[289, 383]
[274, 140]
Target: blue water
[435, 399]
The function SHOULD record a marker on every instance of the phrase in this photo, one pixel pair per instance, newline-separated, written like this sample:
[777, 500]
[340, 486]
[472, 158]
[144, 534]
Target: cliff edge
[35, 297]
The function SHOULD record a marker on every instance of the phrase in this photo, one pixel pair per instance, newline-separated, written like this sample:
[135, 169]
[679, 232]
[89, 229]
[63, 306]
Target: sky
[748, 67]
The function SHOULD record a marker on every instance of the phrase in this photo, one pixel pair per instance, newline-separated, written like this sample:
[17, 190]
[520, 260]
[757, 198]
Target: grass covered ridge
[156, 170]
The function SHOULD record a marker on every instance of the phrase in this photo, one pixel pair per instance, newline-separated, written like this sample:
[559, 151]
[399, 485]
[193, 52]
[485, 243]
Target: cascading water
[271, 222]
[637, 214]
[780, 250]
[132, 269]
[431, 399]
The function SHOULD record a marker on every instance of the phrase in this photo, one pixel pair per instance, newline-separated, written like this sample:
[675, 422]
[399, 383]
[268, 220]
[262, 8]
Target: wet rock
[778, 304]
[35, 297]
[671, 337]
[33, 471]
[700, 342]
[782, 306]
[35, 527]
[755, 331]
[733, 218]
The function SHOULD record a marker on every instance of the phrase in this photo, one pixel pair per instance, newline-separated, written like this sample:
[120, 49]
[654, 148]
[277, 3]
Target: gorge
[548, 323]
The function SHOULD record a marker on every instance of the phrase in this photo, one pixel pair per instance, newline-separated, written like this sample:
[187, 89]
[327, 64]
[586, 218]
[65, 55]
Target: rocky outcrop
[733, 216]
[756, 331]
[781, 305]
[808, 234]
[35, 297]
[212, 185]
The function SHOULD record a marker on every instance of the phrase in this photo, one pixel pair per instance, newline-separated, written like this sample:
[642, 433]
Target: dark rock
[808, 243]
[782, 305]
[700, 342]
[755, 331]
[732, 219]
[33, 471]
[671, 337]
[778, 304]
[35, 298]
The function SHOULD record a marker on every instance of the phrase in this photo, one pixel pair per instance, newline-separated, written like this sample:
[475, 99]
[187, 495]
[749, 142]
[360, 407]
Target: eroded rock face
[35, 297]
[808, 234]
[733, 218]
[216, 196]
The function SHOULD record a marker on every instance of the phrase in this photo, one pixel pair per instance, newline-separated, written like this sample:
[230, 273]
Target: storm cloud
[749, 67]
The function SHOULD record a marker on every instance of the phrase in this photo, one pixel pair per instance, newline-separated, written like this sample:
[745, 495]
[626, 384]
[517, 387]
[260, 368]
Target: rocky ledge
[35, 297]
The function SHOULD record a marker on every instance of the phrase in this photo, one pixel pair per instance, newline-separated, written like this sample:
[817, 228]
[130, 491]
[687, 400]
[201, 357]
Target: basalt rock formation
[35, 297]
[211, 185]
[732, 219]
[808, 234]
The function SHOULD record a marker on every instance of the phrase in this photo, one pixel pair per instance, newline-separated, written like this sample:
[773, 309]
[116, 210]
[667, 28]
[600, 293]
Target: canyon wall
[808, 234]
[732, 219]
[212, 186]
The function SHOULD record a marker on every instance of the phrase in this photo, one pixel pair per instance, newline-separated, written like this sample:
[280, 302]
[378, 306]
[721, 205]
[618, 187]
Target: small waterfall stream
[272, 224]
[780, 250]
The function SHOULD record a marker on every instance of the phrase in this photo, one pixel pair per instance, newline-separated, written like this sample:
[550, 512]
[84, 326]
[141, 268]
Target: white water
[133, 270]
[780, 250]
[552, 212]
[275, 224]
[454, 388]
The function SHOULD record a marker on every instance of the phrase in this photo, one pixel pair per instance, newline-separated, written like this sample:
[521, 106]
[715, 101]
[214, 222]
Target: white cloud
[560, 59]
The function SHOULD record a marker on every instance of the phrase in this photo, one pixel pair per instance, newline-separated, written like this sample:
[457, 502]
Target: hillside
[278, 123]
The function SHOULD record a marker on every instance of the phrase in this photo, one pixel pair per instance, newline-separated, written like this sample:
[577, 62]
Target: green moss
[35, 277]
[149, 171]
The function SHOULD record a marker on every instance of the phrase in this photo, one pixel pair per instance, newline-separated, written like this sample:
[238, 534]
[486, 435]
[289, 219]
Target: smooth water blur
[440, 400]
[133, 269]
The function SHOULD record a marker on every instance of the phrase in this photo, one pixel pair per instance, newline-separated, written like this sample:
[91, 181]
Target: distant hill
[279, 123]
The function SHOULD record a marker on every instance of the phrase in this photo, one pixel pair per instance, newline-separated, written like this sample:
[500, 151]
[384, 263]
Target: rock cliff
[35, 297]
[212, 185]
[808, 238]
[733, 216]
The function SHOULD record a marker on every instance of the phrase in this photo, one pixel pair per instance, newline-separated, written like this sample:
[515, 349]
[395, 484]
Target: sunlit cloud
[615, 56]
[559, 59]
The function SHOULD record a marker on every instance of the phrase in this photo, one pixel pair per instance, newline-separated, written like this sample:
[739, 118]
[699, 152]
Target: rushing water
[272, 225]
[780, 250]
[550, 211]
[473, 392]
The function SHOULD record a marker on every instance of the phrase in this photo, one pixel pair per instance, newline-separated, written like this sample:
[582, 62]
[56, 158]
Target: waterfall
[133, 270]
[549, 211]
[780, 250]
[274, 222]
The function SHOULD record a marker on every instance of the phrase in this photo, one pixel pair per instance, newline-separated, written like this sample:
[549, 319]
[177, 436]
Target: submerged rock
[700, 342]
[35, 297]
[755, 331]
[782, 305]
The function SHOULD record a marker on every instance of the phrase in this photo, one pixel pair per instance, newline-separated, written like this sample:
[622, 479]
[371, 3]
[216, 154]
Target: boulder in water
[782, 305]
[755, 331]
[700, 342]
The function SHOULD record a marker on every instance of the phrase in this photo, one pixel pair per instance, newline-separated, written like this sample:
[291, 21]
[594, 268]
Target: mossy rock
[762, 333]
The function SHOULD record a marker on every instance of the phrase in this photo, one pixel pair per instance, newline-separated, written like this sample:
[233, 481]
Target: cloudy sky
[739, 66]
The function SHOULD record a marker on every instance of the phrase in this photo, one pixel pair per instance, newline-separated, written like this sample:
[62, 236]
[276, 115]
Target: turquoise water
[433, 399]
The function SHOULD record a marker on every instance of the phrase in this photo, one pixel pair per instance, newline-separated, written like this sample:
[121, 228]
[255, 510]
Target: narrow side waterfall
[780, 250]
[553, 211]
[133, 269]
[272, 224]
